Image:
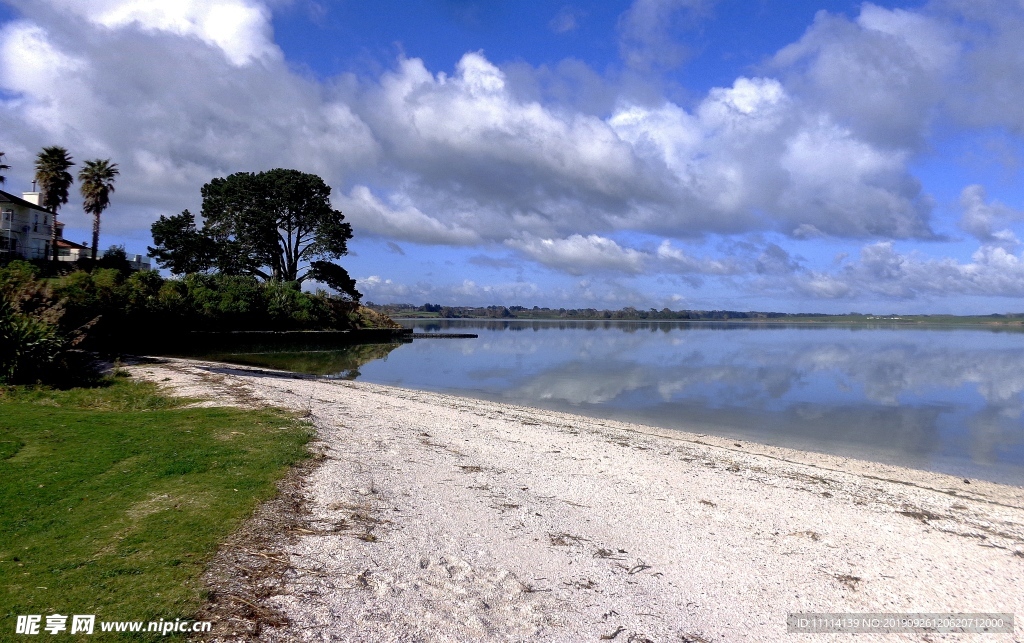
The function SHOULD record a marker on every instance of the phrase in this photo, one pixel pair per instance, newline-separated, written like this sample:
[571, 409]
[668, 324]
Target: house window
[35, 224]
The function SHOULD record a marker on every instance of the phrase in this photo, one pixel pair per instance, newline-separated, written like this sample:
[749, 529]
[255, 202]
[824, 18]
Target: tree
[180, 246]
[276, 225]
[115, 257]
[336, 278]
[54, 181]
[3, 179]
[96, 182]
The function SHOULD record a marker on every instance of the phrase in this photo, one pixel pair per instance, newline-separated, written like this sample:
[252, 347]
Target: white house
[25, 226]
[25, 229]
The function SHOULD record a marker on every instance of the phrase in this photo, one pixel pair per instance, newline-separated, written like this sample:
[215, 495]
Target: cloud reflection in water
[948, 400]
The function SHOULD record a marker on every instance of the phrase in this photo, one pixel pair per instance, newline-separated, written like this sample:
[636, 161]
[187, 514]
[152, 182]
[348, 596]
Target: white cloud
[980, 217]
[882, 271]
[646, 38]
[981, 94]
[675, 260]
[172, 112]
[461, 158]
[750, 156]
[578, 255]
[472, 129]
[241, 29]
[819, 146]
[465, 293]
[880, 75]
[54, 85]
[368, 214]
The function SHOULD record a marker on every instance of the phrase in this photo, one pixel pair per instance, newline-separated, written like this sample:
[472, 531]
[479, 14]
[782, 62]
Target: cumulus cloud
[882, 271]
[171, 111]
[881, 75]
[466, 292]
[400, 220]
[646, 31]
[980, 217]
[240, 29]
[819, 145]
[993, 32]
[750, 149]
[449, 159]
[673, 260]
[578, 255]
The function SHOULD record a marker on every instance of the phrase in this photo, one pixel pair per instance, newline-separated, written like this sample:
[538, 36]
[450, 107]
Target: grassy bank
[113, 499]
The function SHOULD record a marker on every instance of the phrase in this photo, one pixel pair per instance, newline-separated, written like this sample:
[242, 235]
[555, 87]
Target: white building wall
[24, 230]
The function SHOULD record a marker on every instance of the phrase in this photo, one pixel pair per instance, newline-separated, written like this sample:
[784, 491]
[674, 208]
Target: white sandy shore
[497, 522]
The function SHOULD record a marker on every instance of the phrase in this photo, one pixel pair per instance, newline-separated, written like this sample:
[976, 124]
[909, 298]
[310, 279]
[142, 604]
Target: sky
[827, 156]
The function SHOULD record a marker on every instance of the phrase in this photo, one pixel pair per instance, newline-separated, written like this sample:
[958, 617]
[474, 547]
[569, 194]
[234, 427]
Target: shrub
[29, 347]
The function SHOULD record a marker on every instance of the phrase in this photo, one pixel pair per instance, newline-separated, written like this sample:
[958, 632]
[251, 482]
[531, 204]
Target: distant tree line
[522, 312]
[652, 314]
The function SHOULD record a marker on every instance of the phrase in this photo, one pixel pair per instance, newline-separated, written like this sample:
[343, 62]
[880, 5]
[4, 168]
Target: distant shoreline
[880, 322]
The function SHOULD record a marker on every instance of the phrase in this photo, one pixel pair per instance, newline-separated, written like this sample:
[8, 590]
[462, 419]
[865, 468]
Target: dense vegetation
[521, 312]
[115, 497]
[109, 309]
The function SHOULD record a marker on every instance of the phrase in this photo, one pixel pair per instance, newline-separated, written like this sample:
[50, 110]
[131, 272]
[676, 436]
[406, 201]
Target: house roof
[64, 243]
[7, 197]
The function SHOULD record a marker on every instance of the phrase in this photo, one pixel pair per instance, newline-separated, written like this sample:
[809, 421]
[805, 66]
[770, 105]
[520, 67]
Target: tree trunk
[53, 238]
[95, 235]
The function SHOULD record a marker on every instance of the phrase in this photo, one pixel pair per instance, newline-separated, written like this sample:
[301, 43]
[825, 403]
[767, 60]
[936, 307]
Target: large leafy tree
[96, 182]
[3, 166]
[180, 246]
[277, 225]
[54, 181]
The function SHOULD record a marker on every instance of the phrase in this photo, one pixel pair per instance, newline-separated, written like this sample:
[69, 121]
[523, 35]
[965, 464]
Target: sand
[443, 518]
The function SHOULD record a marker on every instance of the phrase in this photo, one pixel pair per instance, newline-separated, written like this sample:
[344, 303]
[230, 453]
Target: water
[948, 400]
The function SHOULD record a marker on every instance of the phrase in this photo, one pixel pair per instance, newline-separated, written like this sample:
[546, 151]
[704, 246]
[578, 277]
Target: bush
[29, 347]
[33, 347]
[115, 258]
[106, 309]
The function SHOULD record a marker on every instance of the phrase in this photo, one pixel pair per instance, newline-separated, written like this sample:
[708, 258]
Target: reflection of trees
[590, 324]
[341, 363]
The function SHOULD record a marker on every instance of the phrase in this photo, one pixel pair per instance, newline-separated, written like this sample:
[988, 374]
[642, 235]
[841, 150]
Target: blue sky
[803, 156]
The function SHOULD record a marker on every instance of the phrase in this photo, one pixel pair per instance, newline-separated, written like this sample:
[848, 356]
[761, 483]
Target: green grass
[113, 499]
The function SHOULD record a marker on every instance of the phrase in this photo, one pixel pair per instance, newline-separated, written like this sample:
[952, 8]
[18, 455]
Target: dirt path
[439, 518]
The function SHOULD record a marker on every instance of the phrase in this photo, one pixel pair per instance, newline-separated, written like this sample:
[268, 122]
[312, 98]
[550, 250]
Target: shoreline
[873, 324]
[456, 518]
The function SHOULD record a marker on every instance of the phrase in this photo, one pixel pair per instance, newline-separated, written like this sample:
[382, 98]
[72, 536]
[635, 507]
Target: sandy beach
[431, 517]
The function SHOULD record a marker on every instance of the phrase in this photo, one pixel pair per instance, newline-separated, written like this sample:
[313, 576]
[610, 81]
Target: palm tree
[3, 179]
[54, 181]
[96, 182]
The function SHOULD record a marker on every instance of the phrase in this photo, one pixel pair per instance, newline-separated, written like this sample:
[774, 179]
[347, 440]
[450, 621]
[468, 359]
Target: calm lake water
[947, 400]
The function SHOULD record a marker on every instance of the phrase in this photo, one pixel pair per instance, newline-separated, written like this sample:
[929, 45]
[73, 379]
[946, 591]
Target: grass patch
[113, 499]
